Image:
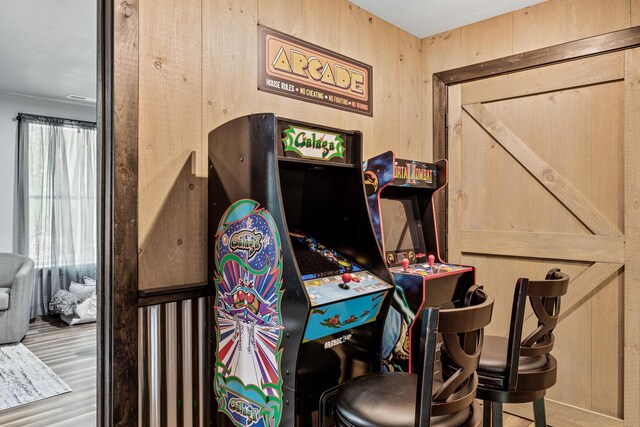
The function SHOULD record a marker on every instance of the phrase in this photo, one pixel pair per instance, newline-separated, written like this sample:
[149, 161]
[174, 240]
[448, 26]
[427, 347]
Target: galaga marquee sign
[296, 69]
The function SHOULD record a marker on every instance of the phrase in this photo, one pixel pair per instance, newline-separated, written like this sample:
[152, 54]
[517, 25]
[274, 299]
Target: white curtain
[56, 207]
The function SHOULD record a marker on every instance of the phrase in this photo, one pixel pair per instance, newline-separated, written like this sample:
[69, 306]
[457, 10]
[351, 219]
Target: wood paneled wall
[198, 69]
[545, 24]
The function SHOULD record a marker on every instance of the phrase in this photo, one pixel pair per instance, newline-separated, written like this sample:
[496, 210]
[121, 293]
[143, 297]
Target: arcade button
[346, 278]
[431, 259]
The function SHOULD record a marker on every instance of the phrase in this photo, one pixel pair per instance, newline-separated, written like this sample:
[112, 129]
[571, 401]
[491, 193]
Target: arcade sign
[313, 144]
[411, 173]
[294, 68]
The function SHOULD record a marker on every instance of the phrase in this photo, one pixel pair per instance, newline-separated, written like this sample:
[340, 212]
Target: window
[56, 207]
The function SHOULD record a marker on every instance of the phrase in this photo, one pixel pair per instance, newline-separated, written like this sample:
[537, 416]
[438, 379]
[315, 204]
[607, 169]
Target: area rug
[24, 378]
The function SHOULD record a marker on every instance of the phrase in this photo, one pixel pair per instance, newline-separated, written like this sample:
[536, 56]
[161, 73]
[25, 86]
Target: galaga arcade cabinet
[301, 288]
[400, 196]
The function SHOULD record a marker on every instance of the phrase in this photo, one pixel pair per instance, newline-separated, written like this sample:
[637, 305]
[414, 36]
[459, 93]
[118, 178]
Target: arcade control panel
[330, 277]
[330, 289]
[430, 269]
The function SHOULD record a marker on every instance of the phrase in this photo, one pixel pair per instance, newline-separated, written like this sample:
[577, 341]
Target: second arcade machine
[302, 289]
[400, 195]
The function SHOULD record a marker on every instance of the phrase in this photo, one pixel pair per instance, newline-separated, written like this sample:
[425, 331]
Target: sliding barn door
[538, 180]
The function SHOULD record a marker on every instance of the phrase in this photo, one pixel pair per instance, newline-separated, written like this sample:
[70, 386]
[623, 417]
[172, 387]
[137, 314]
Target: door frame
[117, 111]
[597, 45]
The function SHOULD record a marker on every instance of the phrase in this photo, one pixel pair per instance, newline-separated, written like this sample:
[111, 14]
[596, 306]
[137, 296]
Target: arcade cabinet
[301, 288]
[400, 197]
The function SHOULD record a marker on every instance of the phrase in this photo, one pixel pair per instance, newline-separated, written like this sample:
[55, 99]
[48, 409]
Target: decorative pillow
[81, 290]
[63, 302]
[88, 308]
[88, 281]
[75, 320]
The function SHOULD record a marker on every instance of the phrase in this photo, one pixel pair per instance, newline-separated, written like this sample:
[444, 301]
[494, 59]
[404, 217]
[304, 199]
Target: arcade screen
[400, 222]
[316, 260]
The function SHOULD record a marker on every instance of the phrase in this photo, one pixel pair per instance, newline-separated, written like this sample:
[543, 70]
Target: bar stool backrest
[544, 297]
[462, 332]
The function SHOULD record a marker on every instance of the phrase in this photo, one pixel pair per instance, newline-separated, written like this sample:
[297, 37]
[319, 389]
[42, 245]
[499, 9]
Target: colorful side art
[395, 340]
[248, 386]
[328, 320]
[378, 173]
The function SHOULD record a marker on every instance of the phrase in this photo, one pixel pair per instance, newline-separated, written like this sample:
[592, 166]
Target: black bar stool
[516, 370]
[389, 398]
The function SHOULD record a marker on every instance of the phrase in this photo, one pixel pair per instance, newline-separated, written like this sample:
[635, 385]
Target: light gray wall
[10, 106]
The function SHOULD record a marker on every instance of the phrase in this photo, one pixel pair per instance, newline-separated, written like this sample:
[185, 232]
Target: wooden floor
[509, 420]
[70, 351]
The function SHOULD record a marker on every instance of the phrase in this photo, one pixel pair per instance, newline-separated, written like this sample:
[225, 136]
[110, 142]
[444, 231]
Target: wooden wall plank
[171, 201]
[488, 39]
[606, 187]
[635, 12]
[476, 164]
[586, 18]
[556, 21]
[543, 172]
[229, 39]
[599, 69]
[541, 25]
[580, 247]
[607, 315]
[606, 190]
[632, 237]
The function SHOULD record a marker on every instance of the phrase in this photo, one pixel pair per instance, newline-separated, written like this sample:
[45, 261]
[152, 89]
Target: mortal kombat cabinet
[400, 196]
[301, 287]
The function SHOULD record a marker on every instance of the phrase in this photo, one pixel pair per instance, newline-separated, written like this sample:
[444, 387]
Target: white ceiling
[48, 47]
[424, 18]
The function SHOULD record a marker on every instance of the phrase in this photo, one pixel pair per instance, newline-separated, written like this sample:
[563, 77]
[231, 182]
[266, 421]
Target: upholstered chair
[16, 272]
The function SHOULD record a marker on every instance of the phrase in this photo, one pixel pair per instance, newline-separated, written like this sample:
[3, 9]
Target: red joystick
[405, 264]
[431, 259]
[346, 277]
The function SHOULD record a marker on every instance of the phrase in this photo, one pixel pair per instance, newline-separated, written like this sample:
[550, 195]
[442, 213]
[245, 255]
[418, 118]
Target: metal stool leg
[497, 414]
[487, 407]
[538, 413]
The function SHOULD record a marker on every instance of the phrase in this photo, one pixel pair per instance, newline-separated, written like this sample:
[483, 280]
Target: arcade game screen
[316, 260]
[400, 225]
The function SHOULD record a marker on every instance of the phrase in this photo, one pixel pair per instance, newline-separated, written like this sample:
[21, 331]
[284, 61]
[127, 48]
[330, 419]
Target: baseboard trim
[562, 414]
